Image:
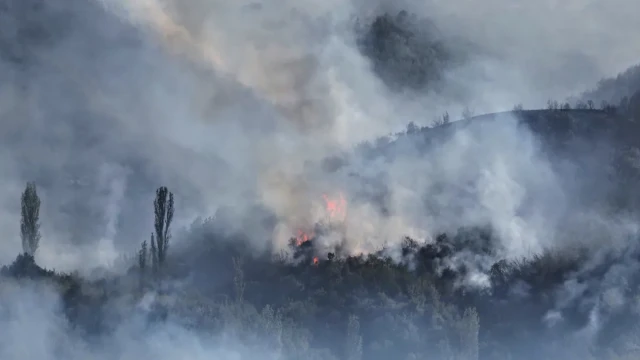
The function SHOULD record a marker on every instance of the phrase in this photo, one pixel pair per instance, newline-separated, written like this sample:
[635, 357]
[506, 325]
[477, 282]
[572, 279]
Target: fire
[336, 208]
[303, 237]
[315, 261]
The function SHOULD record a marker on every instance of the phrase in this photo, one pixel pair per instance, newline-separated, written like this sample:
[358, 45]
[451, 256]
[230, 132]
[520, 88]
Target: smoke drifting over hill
[253, 94]
[258, 114]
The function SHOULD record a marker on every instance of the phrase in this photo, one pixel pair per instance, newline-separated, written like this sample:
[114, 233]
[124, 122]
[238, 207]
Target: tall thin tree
[163, 209]
[142, 256]
[154, 254]
[30, 219]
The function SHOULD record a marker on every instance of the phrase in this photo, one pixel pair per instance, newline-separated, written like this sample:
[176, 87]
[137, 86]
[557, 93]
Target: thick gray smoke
[235, 105]
[34, 311]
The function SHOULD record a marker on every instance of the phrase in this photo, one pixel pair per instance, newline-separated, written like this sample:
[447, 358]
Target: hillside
[194, 189]
[432, 299]
[613, 90]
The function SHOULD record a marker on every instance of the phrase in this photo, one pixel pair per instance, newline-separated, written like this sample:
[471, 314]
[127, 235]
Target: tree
[412, 128]
[163, 210]
[624, 105]
[518, 107]
[142, 262]
[467, 113]
[238, 279]
[30, 219]
[354, 339]
[468, 331]
[443, 120]
[590, 104]
[142, 256]
[154, 254]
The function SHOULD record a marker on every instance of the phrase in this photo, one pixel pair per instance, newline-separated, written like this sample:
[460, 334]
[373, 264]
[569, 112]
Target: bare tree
[163, 210]
[518, 107]
[590, 104]
[30, 219]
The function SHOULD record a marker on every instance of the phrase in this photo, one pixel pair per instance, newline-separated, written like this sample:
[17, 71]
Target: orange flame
[315, 261]
[303, 237]
[337, 209]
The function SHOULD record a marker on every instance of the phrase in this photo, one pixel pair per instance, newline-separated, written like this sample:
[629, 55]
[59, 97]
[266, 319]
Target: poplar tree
[30, 219]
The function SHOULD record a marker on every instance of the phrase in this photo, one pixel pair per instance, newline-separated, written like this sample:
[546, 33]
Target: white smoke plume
[236, 104]
[34, 326]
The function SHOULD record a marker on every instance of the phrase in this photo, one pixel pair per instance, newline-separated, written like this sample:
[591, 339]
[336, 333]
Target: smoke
[35, 325]
[236, 105]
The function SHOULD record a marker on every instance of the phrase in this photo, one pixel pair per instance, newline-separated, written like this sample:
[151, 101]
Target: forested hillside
[427, 301]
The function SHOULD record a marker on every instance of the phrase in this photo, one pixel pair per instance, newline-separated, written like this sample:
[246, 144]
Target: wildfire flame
[303, 237]
[336, 208]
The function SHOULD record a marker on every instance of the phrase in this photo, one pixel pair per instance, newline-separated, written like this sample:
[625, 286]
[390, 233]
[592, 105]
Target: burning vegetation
[335, 213]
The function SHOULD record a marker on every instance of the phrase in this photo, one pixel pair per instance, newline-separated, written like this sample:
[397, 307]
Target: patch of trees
[406, 52]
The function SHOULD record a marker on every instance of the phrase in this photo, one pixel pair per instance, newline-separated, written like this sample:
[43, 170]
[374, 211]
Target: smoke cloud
[270, 117]
[235, 106]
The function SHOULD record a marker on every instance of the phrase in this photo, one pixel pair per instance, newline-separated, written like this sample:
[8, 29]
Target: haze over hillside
[308, 133]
